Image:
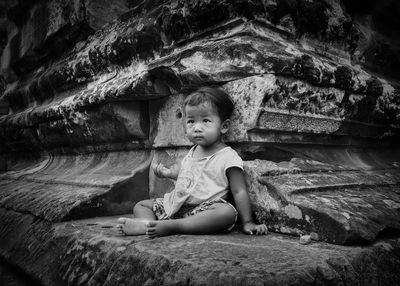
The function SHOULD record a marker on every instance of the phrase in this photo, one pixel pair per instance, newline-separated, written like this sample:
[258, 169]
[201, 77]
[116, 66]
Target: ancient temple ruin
[90, 97]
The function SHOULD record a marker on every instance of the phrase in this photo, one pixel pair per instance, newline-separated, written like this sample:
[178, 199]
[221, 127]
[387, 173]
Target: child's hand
[252, 228]
[161, 171]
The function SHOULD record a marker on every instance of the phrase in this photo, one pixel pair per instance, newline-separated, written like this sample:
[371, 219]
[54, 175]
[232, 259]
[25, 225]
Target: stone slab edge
[90, 252]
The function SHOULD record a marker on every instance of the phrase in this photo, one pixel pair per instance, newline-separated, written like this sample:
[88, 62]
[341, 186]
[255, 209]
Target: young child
[210, 170]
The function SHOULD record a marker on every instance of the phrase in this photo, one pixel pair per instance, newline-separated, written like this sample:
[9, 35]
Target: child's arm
[242, 201]
[163, 172]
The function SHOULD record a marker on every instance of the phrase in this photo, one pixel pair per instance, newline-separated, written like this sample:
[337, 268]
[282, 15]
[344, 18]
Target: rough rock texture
[90, 252]
[63, 187]
[338, 204]
[90, 97]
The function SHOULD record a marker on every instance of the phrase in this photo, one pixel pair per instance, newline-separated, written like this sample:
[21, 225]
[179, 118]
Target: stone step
[335, 203]
[91, 252]
[56, 188]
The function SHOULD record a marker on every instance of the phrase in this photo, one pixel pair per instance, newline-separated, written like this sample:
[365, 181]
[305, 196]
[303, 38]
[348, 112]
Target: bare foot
[161, 228]
[132, 226]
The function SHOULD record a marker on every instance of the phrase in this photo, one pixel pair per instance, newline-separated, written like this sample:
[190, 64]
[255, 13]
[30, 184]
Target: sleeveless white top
[201, 179]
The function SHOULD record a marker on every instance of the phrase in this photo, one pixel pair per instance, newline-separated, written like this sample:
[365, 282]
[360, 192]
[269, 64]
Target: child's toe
[152, 235]
[150, 230]
[122, 220]
[151, 224]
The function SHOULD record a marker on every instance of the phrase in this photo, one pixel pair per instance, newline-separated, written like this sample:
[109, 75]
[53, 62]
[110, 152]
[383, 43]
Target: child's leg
[143, 213]
[144, 209]
[217, 218]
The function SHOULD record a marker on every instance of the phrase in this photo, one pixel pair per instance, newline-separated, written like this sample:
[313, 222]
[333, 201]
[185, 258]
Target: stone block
[86, 252]
[248, 95]
[341, 204]
[113, 109]
[264, 109]
[58, 188]
[107, 124]
[167, 122]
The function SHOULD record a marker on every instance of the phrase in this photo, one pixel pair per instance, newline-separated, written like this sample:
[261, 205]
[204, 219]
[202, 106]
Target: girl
[206, 175]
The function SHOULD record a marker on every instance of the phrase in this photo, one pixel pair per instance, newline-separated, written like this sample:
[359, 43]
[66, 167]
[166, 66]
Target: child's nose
[197, 127]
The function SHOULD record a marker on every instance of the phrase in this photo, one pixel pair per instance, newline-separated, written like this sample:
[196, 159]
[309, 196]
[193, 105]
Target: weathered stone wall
[91, 93]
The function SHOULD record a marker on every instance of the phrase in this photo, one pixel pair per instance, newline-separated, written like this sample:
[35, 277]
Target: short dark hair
[218, 98]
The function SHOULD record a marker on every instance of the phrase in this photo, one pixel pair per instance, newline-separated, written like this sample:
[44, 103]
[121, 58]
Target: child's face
[203, 125]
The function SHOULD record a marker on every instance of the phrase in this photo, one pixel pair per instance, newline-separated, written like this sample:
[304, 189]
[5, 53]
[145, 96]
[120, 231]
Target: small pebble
[305, 239]
[314, 236]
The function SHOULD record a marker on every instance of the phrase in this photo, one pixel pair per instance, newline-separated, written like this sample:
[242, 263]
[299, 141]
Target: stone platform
[91, 252]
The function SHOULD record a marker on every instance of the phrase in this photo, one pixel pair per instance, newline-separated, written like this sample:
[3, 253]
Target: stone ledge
[258, 49]
[255, 121]
[343, 196]
[245, 50]
[56, 188]
[90, 252]
[145, 32]
[339, 203]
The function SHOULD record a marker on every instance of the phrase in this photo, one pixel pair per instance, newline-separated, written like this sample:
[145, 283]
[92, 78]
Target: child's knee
[143, 204]
[225, 210]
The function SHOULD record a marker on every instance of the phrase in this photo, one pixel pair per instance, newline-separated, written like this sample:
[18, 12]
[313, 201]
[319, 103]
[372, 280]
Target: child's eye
[206, 120]
[189, 122]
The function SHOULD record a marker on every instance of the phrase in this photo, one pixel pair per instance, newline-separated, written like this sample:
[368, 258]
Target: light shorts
[185, 211]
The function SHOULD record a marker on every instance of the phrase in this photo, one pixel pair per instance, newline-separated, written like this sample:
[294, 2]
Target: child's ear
[225, 126]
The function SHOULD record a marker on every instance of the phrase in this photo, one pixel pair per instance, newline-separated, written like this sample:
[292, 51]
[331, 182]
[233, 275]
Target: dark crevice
[270, 154]
[388, 232]
[13, 275]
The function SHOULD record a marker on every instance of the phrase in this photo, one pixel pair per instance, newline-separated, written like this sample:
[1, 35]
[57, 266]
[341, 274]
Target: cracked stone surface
[64, 187]
[91, 252]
